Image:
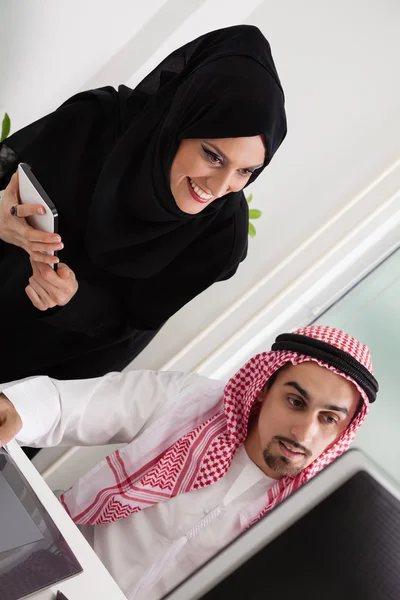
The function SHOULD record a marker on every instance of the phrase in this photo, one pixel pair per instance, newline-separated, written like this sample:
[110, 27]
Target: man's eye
[295, 402]
[331, 420]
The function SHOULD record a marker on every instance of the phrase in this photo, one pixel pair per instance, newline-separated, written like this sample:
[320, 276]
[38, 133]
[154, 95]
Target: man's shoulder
[187, 390]
[196, 385]
[167, 386]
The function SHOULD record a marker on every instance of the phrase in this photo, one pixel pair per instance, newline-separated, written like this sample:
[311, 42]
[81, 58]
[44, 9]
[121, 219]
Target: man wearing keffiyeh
[201, 460]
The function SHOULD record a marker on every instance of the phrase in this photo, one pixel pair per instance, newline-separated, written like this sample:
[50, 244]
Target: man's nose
[304, 430]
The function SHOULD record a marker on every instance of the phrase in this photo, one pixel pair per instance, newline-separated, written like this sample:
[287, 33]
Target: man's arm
[105, 410]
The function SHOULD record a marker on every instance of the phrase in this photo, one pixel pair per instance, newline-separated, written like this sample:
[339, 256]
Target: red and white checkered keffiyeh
[124, 483]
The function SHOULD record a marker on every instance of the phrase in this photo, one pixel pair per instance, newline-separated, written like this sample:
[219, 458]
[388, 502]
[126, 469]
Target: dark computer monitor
[336, 538]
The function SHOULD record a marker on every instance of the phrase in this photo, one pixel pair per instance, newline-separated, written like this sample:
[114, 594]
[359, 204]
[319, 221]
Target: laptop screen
[33, 553]
[17, 528]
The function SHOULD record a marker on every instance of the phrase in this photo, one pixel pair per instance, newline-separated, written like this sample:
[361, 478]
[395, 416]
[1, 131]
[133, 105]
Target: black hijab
[105, 156]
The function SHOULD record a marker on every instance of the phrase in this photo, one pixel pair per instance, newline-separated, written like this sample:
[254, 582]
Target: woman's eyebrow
[218, 151]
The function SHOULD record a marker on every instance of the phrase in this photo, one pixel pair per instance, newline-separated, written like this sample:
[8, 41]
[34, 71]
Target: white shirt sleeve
[105, 410]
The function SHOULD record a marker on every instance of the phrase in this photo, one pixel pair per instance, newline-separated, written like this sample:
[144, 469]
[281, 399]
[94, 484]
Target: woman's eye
[212, 157]
[246, 172]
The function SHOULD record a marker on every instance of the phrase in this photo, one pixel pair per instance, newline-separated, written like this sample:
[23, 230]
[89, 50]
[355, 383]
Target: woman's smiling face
[206, 169]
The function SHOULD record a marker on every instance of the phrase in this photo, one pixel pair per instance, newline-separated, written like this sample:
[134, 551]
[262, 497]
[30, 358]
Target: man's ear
[263, 393]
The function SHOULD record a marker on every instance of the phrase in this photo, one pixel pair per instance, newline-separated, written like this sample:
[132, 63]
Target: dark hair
[273, 377]
[358, 409]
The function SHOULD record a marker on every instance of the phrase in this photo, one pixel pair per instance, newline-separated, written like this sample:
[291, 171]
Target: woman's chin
[189, 206]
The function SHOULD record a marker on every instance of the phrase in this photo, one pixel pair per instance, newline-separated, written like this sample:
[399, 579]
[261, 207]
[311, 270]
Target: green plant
[5, 127]
[254, 213]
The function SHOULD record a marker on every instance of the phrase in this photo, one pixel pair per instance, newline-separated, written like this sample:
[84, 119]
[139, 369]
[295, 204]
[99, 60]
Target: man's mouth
[197, 192]
[289, 451]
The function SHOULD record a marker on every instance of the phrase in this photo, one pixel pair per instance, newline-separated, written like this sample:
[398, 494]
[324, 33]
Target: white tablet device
[31, 192]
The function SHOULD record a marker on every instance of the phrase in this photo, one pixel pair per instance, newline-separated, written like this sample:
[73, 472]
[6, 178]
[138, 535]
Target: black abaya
[104, 158]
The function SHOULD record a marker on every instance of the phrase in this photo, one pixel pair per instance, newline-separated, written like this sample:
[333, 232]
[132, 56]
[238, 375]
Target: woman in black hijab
[147, 184]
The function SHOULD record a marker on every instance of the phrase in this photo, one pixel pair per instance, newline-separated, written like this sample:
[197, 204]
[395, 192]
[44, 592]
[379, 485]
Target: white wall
[50, 49]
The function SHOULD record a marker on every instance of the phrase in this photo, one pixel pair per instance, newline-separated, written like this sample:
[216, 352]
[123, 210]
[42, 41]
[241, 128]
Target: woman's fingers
[26, 210]
[39, 243]
[57, 278]
[39, 283]
[36, 290]
[35, 235]
[47, 259]
[14, 228]
[33, 240]
[30, 292]
[48, 288]
[34, 264]
[47, 247]
[13, 189]
[35, 298]
[39, 295]
[65, 272]
[12, 201]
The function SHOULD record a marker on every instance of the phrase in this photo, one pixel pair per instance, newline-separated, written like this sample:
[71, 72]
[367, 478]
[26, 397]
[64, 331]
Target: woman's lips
[194, 195]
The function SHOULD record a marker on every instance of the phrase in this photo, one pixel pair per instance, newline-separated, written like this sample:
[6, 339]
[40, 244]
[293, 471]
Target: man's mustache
[293, 444]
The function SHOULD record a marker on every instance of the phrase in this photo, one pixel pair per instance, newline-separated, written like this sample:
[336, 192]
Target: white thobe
[151, 551]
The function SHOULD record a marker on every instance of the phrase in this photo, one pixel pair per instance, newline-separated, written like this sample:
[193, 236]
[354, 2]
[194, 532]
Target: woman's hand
[10, 421]
[15, 230]
[48, 288]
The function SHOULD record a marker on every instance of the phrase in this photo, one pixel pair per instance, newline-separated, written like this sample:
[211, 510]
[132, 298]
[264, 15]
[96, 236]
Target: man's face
[307, 408]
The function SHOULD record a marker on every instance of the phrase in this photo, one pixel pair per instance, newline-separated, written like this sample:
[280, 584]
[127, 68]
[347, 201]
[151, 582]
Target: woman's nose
[220, 185]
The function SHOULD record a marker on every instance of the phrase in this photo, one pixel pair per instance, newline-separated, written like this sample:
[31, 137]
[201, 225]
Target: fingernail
[56, 238]
[40, 211]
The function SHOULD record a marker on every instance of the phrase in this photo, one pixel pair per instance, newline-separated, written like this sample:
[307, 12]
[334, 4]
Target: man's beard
[280, 464]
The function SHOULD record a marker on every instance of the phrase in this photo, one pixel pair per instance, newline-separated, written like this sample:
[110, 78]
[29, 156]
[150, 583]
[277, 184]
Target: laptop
[33, 553]
[338, 536]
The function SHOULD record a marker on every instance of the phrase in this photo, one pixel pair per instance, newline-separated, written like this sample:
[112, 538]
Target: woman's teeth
[199, 191]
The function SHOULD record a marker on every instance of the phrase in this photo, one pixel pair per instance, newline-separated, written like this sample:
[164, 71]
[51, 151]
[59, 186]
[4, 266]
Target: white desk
[95, 582]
